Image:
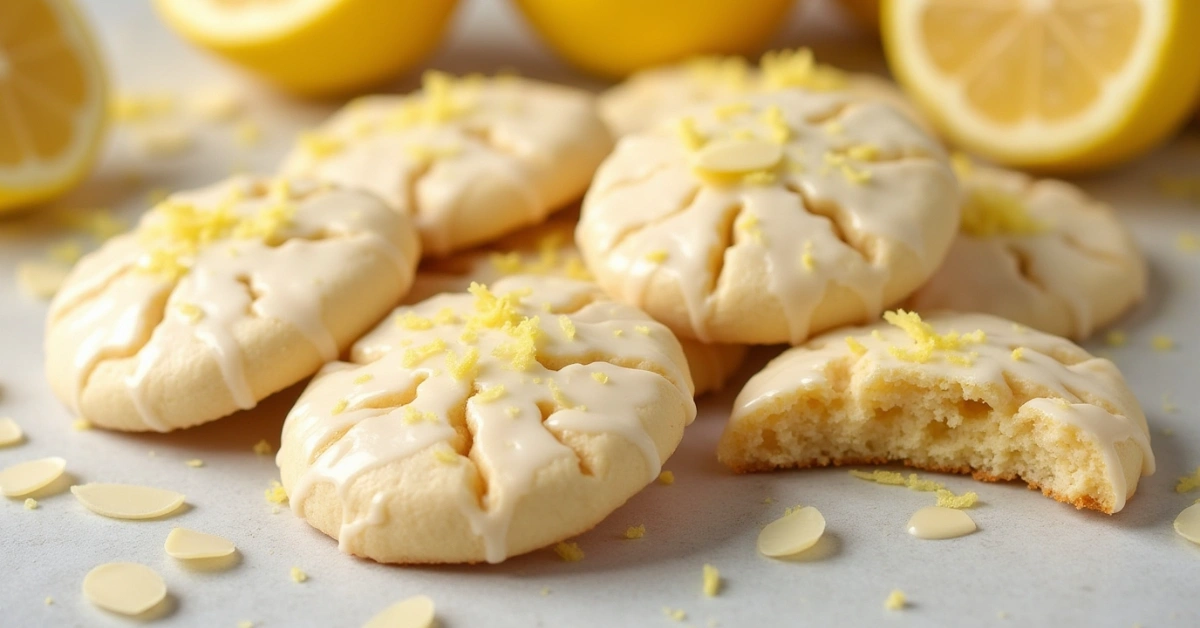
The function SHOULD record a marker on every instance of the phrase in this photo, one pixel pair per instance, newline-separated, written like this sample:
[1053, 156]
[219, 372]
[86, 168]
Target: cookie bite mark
[470, 159]
[209, 286]
[1039, 252]
[707, 241]
[516, 415]
[944, 394]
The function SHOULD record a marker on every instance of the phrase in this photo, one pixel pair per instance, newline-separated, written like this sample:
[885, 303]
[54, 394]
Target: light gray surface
[1039, 562]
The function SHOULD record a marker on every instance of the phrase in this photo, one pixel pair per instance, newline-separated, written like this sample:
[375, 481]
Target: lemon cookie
[1038, 252]
[222, 296]
[469, 159]
[964, 393]
[769, 218]
[549, 250]
[477, 426]
[652, 95]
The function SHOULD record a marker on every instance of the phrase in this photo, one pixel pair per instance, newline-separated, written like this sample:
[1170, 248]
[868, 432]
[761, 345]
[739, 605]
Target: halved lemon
[314, 47]
[614, 38]
[1060, 85]
[52, 100]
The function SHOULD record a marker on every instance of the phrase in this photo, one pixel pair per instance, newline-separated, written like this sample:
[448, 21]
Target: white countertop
[1034, 562]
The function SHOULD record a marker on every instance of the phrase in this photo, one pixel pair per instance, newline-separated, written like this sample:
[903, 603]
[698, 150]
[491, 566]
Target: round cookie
[222, 296]
[1038, 252]
[477, 426]
[962, 393]
[766, 219]
[648, 97]
[469, 159]
[549, 250]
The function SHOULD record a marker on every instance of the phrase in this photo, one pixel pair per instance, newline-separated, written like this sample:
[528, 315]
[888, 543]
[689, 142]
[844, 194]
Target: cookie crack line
[1024, 265]
[725, 241]
[688, 201]
[834, 214]
[85, 298]
[1108, 258]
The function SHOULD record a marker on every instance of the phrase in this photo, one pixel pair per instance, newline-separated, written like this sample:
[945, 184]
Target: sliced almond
[27, 477]
[415, 612]
[791, 534]
[733, 156]
[188, 544]
[125, 501]
[125, 588]
[10, 432]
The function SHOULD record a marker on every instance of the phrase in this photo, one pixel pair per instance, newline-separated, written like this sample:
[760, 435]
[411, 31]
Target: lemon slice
[314, 47]
[1063, 85]
[52, 100]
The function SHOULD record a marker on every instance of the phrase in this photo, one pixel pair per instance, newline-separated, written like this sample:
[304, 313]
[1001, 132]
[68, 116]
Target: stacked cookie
[542, 363]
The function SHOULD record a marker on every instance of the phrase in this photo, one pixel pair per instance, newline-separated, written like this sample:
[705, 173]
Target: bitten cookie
[549, 250]
[477, 426]
[962, 393]
[222, 296]
[648, 97]
[469, 159]
[765, 219]
[1038, 252]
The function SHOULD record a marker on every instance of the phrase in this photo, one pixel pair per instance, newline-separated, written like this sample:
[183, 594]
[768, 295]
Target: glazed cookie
[963, 393]
[652, 95]
[477, 426]
[1038, 252]
[549, 250]
[769, 218]
[469, 159]
[222, 296]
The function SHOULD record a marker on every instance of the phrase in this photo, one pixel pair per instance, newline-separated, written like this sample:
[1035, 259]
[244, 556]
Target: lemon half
[314, 47]
[1060, 85]
[52, 101]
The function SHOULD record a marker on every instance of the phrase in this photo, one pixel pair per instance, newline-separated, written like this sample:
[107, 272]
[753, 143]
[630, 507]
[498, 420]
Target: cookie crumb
[81, 425]
[895, 601]
[298, 575]
[1162, 342]
[263, 448]
[1189, 483]
[712, 581]
[569, 552]
[276, 494]
[1116, 338]
[675, 614]
[49, 600]
[545, 591]
[31, 504]
[635, 532]
[195, 463]
[666, 478]
[947, 499]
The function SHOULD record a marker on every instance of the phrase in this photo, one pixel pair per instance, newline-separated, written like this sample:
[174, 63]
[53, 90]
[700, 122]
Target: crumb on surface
[569, 552]
[195, 463]
[31, 504]
[298, 575]
[1162, 342]
[895, 600]
[263, 448]
[276, 494]
[635, 532]
[1116, 338]
[666, 478]
[675, 614]
[1189, 483]
[81, 425]
[947, 499]
[712, 580]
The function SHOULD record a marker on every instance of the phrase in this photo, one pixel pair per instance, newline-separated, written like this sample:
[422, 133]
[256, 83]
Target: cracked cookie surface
[480, 425]
[470, 159]
[768, 218]
[222, 296]
[1038, 252]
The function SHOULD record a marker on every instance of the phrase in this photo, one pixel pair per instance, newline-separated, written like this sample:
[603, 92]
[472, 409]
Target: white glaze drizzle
[646, 201]
[491, 156]
[804, 368]
[509, 447]
[117, 302]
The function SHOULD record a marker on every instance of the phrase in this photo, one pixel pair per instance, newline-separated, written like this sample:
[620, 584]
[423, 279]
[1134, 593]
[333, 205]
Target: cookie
[222, 296]
[652, 95]
[961, 393]
[768, 218]
[469, 159]
[1038, 252]
[480, 425]
[549, 250]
